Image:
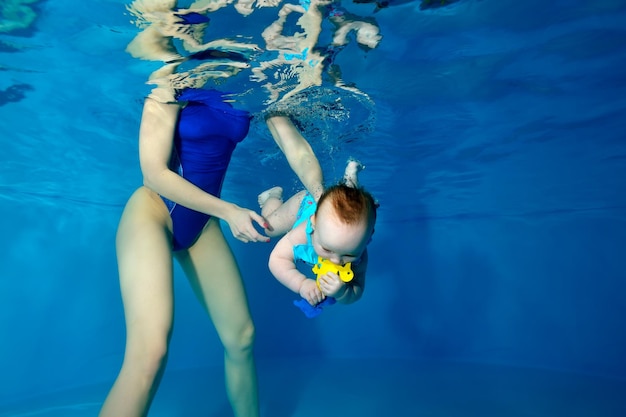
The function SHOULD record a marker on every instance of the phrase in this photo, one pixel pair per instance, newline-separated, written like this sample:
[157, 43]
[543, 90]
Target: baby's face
[336, 241]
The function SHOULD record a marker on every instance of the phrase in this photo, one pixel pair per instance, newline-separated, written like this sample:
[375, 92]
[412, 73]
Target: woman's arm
[299, 154]
[156, 135]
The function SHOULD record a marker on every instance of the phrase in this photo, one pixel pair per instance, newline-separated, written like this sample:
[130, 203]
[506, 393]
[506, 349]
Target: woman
[185, 147]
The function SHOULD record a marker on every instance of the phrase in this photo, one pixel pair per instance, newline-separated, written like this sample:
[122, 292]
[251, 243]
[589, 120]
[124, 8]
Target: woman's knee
[148, 358]
[240, 342]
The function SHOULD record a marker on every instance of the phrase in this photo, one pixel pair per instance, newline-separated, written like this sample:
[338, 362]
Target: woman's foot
[350, 175]
[274, 192]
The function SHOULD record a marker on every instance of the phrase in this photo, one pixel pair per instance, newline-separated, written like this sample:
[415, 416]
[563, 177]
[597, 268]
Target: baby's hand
[330, 284]
[310, 292]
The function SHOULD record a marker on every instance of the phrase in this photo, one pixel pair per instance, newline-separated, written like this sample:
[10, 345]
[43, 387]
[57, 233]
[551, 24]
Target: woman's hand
[241, 225]
[330, 284]
[310, 292]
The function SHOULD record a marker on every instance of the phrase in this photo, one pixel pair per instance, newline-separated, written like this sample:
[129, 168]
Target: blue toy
[321, 268]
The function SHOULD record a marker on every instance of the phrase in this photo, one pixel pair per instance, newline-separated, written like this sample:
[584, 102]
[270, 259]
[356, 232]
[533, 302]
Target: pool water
[494, 139]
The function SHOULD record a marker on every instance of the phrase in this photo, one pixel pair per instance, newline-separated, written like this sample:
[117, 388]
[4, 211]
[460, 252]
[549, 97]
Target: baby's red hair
[352, 205]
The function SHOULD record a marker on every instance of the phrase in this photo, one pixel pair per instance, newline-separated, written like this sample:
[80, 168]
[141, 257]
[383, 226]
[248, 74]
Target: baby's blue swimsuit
[306, 252]
[207, 131]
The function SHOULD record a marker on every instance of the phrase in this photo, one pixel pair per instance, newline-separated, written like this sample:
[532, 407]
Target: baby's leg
[281, 216]
[270, 200]
[350, 175]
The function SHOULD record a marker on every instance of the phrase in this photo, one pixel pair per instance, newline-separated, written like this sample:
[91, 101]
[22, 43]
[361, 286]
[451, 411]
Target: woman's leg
[145, 268]
[214, 275]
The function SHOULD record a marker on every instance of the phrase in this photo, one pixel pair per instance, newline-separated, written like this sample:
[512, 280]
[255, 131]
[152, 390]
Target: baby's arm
[283, 266]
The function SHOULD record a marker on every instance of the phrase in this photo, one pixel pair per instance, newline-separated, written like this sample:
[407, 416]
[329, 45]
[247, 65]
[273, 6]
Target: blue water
[497, 276]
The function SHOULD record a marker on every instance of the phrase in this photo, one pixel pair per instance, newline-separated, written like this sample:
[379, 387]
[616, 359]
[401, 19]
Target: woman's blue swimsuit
[207, 132]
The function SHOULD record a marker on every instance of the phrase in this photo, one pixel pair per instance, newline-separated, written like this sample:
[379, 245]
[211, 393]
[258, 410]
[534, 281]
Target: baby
[333, 224]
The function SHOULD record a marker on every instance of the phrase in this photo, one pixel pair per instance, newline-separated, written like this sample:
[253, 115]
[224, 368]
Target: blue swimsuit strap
[306, 252]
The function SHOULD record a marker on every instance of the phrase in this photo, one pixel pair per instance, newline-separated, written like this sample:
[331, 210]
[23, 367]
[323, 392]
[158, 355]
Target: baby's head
[343, 223]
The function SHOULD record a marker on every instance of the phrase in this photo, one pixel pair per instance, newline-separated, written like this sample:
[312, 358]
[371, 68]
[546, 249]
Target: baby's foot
[274, 192]
[352, 170]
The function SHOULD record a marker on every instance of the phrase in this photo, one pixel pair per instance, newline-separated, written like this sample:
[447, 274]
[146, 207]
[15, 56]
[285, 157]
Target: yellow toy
[323, 266]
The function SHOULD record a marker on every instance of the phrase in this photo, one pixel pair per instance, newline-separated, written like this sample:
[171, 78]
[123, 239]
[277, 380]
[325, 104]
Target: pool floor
[365, 388]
